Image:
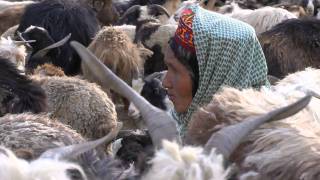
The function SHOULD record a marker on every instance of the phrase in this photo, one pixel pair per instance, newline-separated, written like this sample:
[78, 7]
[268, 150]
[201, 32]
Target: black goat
[60, 18]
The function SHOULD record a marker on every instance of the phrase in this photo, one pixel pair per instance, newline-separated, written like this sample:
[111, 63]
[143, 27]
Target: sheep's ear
[228, 139]
[72, 151]
[44, 51]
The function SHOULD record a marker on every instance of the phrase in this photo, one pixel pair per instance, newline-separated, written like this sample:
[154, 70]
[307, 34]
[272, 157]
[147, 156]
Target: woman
[210, 51]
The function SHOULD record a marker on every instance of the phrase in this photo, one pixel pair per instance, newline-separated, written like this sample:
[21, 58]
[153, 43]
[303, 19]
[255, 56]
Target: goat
[107, 14]
[137, 13]
[151, 89]
[60, 18]
[291, 46]
[154, 36]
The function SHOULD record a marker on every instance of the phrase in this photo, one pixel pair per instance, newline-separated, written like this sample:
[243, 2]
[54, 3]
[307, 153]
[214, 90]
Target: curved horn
[228, 139]
[129, 11]
[160, 9]
[44, 51]
[160, 124]
[158, 75]
[75, 150]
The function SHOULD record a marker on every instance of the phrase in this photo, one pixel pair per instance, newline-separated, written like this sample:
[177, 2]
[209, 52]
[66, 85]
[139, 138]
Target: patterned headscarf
[228, 54]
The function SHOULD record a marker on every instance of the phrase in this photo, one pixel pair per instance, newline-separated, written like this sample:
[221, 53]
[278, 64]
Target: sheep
[60, 18]
[18, 92]
[260, 151]
[60, 96]
[154, 36]
[80, 104]
[261, 19]
[13, 51]
[10, 16]
[35, 133]
[137, 13]
[291, 46]
[116, 51]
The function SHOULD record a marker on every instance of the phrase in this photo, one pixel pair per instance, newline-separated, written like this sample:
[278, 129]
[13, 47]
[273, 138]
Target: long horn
[160, 124]
[72, 151]
[159, 8]
[44, 51]
[228, 139]
[129, 11]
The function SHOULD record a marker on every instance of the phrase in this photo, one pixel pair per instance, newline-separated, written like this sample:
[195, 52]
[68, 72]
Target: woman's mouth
[171, 97]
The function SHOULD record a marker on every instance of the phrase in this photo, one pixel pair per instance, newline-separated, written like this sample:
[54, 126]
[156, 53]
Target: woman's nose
[166, 81]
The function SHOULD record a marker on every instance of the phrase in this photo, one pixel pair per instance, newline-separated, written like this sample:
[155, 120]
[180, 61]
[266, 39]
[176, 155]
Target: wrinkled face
[177, 82]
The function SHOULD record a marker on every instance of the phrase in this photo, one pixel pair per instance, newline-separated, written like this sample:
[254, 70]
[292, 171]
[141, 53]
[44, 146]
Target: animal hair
[273, 150]
[49, 70]
[186, 163]
[12, 167]
[291, 46]
[15, 53]
[19, 93]
[35, 133]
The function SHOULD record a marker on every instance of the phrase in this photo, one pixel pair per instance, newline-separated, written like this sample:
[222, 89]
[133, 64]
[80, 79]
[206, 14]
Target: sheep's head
[117, 52]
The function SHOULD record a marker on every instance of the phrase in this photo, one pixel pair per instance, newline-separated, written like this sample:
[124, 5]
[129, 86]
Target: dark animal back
[23, 95]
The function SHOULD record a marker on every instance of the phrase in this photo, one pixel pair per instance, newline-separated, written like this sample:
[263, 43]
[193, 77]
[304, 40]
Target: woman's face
[177, 82]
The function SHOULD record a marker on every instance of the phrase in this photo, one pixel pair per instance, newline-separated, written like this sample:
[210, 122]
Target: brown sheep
[35, 134]
[116, 50]
[82, 105]
[291, 46]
